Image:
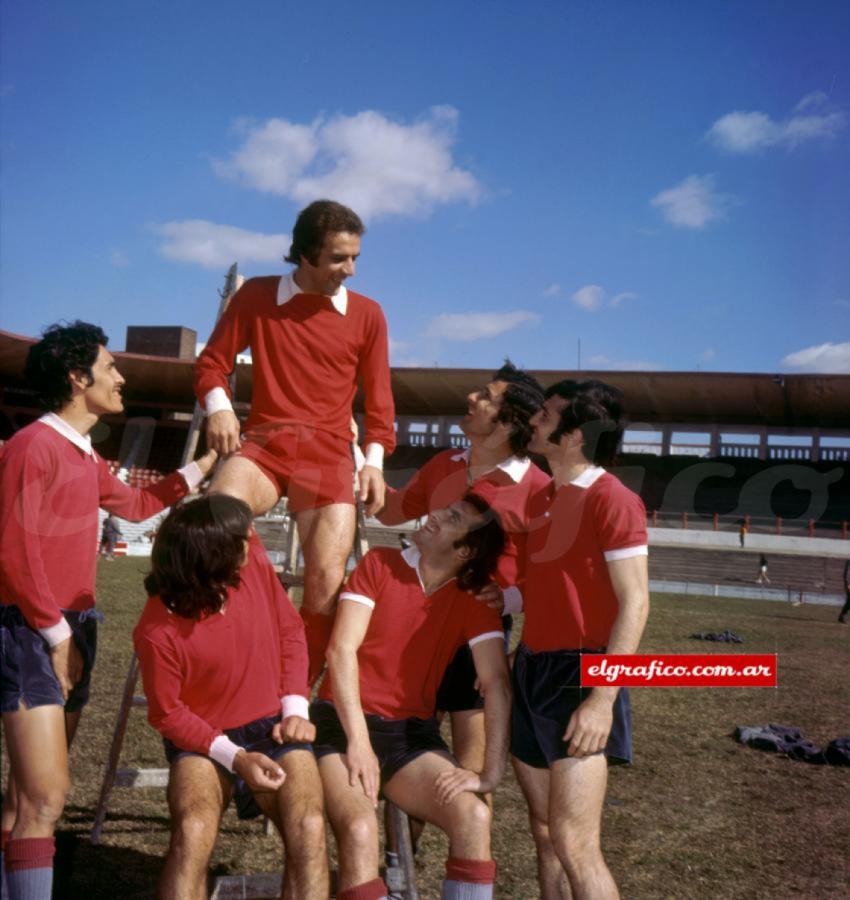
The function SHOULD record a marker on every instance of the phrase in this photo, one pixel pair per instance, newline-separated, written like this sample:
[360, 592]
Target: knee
[311, 831]
[540, 832]
[359, 835]
[43, 804]
[193, 832]
[575, 845]
[471, 818]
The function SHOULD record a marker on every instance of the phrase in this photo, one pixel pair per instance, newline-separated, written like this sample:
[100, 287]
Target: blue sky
[668, 183]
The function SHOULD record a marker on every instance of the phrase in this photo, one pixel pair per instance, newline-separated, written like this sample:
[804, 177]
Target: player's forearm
[497, 712]
[345, 682]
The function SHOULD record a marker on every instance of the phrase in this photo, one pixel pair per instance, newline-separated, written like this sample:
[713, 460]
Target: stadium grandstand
[709, 452]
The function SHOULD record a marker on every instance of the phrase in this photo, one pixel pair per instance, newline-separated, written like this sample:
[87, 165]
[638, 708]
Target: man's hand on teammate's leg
[223, 432]
[258, 771]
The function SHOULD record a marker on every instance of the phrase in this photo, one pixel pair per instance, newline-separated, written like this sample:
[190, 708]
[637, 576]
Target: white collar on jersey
[514, 467]
[411, 555]
[588, 477]
[83, 441]
[287, 288]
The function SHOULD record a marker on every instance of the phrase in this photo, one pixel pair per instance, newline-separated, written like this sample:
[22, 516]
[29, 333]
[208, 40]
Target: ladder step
[139, 778]
[140, 701]
[261, 886]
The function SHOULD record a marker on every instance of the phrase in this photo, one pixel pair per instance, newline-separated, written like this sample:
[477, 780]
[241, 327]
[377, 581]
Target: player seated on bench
[224, 665]
[401, 619]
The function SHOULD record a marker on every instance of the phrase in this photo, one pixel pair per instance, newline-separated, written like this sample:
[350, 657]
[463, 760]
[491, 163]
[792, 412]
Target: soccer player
[224, 664]
[311, 340]
[53, 482]
[497, 468]
[586, 591]
[402, 617]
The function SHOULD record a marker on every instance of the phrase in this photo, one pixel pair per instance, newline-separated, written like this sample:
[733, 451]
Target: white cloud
[620, 365]
[476, 326]
[590, 297]
[693, 203]
[119, 258]
[748, 132]
[829, 358]
[707, 355]
[844, 303]
[401, 355]
[214, 246]
[553, 290]
[617, 299]
[375, 165]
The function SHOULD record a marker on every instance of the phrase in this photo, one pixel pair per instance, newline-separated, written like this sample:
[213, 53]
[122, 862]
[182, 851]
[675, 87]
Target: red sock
[474, 871]
[369, 890]
[30, 853]
[318, 630]
[4, 839]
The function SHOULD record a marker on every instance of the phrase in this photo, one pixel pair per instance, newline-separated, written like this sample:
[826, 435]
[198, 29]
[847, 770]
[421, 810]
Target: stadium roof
[687, 398]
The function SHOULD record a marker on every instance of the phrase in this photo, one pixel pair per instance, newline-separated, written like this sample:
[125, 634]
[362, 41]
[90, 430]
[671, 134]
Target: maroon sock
[318, 630]
[4, 839]
[474, 871]
[369, 890]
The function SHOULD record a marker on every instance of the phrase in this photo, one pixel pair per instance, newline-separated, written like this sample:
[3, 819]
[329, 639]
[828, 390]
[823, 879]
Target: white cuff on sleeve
[55, 634]
[375, 455]
[217, 400]
[359, 458]
[512, 597]
[223, 751]
[294, 705]
[192, 475]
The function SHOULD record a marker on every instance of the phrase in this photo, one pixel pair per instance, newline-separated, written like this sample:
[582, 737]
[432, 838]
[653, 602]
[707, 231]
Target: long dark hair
[522, 398]
[486, 542]
[314, 223]
[197, 554]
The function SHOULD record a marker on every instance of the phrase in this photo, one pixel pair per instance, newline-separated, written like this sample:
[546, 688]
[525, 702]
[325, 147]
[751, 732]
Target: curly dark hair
[314, 222]
[522, 398]
[62, 349]
[596, 409]
[197, 554]
[485, 540]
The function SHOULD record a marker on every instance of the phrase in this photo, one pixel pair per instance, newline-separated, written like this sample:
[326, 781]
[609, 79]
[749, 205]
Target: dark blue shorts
[396, 742]
[26, 673]
[456, 692]
[255, 737]
[547, 690]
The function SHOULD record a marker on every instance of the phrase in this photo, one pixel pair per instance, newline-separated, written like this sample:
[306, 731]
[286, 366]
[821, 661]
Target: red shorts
[311, 467]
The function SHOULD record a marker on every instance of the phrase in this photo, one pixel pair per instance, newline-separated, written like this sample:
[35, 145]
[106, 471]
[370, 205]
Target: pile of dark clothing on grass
[724, 637]
[790, 741]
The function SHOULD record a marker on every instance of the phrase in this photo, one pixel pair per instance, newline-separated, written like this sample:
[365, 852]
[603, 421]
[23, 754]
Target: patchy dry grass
[697, 816]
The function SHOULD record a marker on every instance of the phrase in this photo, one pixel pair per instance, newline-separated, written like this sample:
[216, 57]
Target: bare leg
[469, 742]
[466, 820]
[239, 477]
[550, 873]
[327, 535]
[197, 796]
[297, 811]
[576, 794]
[353, 821]
[38, 762]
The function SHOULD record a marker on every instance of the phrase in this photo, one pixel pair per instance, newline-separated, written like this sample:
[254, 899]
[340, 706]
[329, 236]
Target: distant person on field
[224, 664]
[109, 537]
[762, 576]
[52, 483]
[842, 617]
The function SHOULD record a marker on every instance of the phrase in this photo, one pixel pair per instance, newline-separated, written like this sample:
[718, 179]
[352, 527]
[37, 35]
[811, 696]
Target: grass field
[696, 816]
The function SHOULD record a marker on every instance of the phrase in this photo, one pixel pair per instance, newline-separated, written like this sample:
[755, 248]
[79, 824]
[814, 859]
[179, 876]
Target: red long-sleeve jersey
[50, 491]
[307, 360]
[228, 669]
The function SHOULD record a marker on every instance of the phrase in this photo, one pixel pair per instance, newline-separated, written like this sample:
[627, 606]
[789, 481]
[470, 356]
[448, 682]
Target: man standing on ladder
[52, 482]
[311, 340]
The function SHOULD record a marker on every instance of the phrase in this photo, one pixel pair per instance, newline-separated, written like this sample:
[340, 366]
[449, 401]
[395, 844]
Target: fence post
[779, 524]
[655, 520]
[844, 531]
[684, 520]
[716, 521]
[811, 527]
